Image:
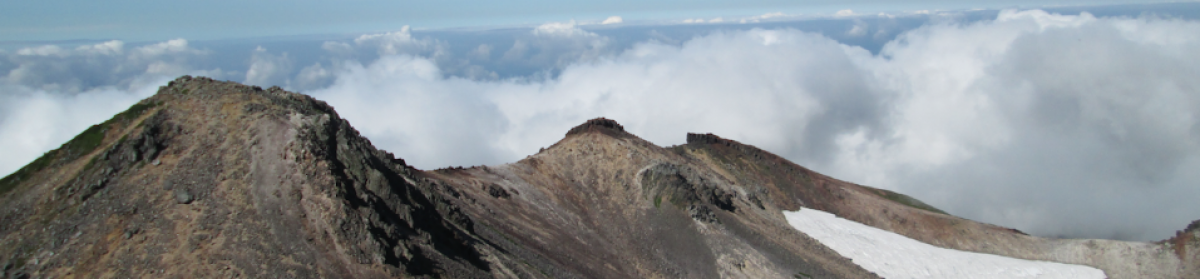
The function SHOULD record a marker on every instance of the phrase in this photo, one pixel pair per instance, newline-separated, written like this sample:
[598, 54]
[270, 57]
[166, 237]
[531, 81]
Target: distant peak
[602, 125]
[709, 138]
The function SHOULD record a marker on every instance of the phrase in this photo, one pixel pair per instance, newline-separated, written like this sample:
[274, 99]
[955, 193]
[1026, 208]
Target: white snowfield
[894, 256]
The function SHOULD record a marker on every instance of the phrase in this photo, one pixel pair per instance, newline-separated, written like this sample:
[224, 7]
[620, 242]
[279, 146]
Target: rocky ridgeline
[698, 140]
[601, 125]
[217, 179]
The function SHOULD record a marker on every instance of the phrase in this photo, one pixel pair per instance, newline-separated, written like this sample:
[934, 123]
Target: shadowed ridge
[694, 138]
[1186, 245]
[789, 169]
[600, 125]
[790, 185]
[699, 140]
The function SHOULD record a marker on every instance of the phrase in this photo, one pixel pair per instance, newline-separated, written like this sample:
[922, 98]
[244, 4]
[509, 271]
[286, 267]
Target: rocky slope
[792, 186]
[217, 179]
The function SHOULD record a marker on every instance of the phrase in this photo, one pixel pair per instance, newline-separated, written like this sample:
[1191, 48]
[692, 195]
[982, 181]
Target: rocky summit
[216, 179]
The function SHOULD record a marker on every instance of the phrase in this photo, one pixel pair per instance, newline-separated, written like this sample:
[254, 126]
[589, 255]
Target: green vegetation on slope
[906, 200]
[134, 111]
[9, 182]
[82, 144]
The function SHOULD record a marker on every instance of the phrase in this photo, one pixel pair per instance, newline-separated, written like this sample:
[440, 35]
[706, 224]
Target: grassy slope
[81, 145]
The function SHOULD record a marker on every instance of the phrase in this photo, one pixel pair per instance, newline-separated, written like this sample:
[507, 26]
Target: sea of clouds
[1058, 125]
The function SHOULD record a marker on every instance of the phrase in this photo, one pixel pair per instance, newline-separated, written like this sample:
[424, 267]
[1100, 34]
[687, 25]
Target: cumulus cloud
[701, 20]
[612, 20]
[175, 46]
[47, 50]
[396, 42]
[1057, 125]
[337, 47]
[369, 47]
[313, 76]
[113, 47]
[553, 46]
[267, 69]
[483, 52]
[53, 68]
[562, 29]
[766, 16]
[859, 29]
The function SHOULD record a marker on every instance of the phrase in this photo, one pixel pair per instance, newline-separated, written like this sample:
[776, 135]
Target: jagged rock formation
[217, 179]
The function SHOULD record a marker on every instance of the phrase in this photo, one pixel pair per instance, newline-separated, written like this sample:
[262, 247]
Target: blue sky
[139, 20]
[1065, 118]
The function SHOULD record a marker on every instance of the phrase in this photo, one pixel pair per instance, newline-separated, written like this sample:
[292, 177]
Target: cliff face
[217, 179]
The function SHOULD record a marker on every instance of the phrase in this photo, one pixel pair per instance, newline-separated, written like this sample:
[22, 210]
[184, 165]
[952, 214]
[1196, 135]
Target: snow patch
[891, 255]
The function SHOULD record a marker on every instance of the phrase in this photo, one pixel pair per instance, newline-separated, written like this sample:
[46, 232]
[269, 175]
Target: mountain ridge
[228, 180]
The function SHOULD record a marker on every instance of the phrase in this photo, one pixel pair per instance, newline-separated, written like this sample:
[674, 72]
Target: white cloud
[391, 43]
[337, 47]
[859, 29]
[613, 20]
[555, 45]
[562, 29]
[168, 47]
[46, 50]
[701, 20]
[762, 17]
[312, 77]
[1055, 124]
[483, 52]
[771, 15]
[388, 43]
[113, 47]
[846, 12]
[267, 69]
[53, 68]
